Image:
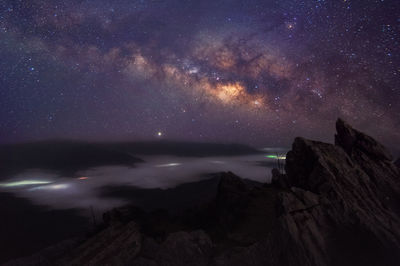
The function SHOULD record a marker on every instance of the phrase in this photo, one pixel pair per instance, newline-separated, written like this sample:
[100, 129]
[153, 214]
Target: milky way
[255, 72]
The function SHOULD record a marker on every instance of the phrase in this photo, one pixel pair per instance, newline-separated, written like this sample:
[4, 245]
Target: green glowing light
[24, 183]
[276, 157]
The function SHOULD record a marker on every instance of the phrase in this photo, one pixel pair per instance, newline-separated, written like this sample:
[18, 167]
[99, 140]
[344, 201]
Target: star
[80, 70]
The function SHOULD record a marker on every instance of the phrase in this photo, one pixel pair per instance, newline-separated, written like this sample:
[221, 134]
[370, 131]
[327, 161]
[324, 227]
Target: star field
[255, 72]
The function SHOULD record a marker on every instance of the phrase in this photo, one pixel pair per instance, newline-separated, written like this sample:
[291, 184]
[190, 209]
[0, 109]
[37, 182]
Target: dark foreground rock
[336, 205]
[343, 204]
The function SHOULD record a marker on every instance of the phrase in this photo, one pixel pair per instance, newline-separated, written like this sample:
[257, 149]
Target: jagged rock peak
[350, 200]
[351, 139]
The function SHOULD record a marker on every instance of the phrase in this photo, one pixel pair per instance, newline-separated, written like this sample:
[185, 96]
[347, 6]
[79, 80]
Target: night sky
[257, 72]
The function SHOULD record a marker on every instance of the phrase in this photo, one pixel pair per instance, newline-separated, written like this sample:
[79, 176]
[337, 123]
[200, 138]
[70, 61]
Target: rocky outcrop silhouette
[342, 208]
[337, 204]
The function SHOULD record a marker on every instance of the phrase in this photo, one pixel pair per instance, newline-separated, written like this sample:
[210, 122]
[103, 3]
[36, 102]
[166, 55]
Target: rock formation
[335, 205]
[344, 201]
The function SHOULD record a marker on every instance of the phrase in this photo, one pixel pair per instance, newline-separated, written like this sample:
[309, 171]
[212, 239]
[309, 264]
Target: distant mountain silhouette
[68, 157]
[184, 149]
[64, 157]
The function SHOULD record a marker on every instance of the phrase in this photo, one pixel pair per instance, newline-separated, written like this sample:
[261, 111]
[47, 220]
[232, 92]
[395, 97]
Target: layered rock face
[343, 204]
[335, 205]
[340, 206]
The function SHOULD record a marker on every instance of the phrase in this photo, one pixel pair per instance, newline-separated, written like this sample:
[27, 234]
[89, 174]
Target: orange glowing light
[83, 178]
[228, 92]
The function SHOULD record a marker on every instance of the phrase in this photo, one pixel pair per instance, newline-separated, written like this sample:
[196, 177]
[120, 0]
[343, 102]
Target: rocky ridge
[335, 205]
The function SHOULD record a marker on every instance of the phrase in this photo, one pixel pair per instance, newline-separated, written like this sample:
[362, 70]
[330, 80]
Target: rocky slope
[343, 204]
[336, 205]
